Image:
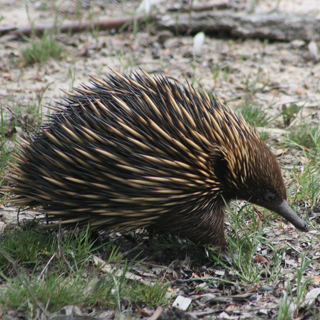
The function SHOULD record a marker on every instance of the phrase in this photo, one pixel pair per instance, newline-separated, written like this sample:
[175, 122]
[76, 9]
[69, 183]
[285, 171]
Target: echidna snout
[132, 152]
[286, 212]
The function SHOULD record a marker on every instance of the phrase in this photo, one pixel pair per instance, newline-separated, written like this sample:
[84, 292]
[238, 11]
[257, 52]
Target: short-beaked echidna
[131, 152]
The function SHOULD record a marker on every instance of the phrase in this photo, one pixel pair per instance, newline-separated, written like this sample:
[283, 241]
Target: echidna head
[253, 174]
[264, 184]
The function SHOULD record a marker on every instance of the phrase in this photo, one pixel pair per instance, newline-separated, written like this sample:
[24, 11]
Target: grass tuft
[46, 268]
[254, 115]
[243, 241]
[306, 136]
[41, 50]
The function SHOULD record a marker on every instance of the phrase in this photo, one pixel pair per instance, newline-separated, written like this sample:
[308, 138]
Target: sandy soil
[285, 71]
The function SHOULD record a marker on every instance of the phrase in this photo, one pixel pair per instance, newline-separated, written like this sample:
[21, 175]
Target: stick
[103, 23]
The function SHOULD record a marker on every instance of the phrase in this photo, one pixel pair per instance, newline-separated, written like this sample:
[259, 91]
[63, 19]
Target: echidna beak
[285, 211]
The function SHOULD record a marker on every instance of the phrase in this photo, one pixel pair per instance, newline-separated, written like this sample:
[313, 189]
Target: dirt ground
[272, 73]
[285, 72]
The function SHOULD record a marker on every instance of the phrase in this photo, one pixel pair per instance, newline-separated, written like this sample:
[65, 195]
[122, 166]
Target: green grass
[254, 114]
[91, 290]
[25, 116]
[306, 136]
[292, 299]
[305, 176]
[305, 184]
[247, 233]
[52, 269]
[290, 113]
[41, 50]
[54, 292]
[244, 236]
[25, 245]
[31, 245]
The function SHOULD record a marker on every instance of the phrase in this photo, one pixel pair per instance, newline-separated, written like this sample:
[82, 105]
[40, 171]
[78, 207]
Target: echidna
[131, 152]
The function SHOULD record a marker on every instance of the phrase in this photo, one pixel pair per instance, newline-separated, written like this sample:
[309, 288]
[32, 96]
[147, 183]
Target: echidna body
[131, 152]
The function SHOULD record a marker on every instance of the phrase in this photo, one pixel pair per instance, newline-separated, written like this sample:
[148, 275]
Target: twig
[295, 249]
[156, 314]
[103, 23]
[133, 249]
[46, 266]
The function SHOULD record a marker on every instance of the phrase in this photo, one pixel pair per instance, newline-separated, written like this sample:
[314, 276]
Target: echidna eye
[269, 196]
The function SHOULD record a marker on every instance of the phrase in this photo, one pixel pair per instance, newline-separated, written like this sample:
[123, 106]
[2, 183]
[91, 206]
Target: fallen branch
[103, 23]
[282, 26]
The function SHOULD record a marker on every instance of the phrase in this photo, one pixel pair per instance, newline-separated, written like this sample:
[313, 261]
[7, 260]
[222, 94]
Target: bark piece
[278, 25]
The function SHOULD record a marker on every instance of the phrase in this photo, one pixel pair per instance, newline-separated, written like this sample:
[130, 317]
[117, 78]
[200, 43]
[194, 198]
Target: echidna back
[132, 152]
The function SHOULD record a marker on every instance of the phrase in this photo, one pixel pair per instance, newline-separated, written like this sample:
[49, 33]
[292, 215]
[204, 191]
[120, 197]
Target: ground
[275, 85]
